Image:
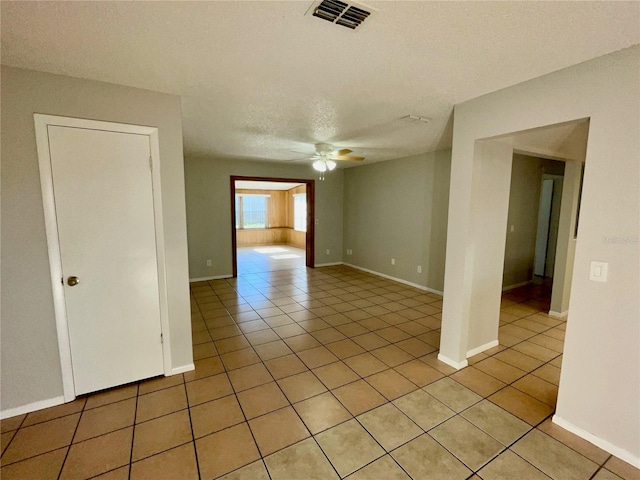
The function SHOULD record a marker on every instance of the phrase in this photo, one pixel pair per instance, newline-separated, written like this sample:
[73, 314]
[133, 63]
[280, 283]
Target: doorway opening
[272, 225]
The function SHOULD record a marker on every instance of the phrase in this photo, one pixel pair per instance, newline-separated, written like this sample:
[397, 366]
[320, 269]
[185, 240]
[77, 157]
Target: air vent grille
[340, 13]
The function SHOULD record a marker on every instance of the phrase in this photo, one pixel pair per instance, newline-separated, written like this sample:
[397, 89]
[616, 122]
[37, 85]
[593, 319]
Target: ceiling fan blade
[344, 151]
[347, 157]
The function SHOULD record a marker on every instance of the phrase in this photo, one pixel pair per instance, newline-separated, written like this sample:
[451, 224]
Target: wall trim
[32, 407]
[330, 264]
[215, 277]
[482, 348]
[597, 441]
[560, 315]
[183, 368]
[516, 285]
[396, 279]
[452, 363]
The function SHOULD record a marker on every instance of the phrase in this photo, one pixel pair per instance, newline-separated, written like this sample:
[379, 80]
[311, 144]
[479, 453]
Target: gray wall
[398, 209]
[209, 210]
[30, 362]
[524, 201]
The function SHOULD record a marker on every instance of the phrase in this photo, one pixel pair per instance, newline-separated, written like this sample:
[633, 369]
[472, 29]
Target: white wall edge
[32, 407]
[395, 279]
[516, 285]
[183, 368]
[482, 348]
[331, 264]
[215, 277]
[598, 442]
[564, 314]
[451, 363]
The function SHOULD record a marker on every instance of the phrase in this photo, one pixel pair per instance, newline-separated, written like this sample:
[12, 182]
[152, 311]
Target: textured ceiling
[262, 80]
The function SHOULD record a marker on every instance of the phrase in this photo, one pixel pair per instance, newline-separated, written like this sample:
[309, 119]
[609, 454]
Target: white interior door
[104, 210]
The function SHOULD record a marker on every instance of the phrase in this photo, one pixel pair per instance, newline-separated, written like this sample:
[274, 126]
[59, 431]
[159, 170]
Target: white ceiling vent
[350, 15]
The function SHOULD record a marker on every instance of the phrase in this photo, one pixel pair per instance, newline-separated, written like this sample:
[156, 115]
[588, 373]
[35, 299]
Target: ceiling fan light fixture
[320, 166]
[330, 164]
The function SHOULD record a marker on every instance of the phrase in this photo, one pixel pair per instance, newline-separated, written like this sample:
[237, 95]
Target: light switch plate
[598, 271]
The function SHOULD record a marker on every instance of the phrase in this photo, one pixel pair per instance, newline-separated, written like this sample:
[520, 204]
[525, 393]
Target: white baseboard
[517, 285]
[332, 264]
[215, 277]
[482, 348]
[395, 279]
[32, 407]
[598, 442]
[559, 315]
[183, 369]
[452, 363]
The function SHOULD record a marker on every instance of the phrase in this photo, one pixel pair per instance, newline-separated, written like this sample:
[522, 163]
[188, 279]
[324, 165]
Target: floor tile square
[418, 373]
[263, 399]
[216, 415]
[349, 447]
[301, 386]
[204, 368]
[539, 389]
[509, 466]
[392, 355]
[478, 381]
[500, 370]
[290, 330]
[359, 397]
[425, 459]
[161, 434]
[575, 442]
[253, 471]
[553, 458]
[105, 419]
[41, 438]
[303, 460]
[240, 358]
[497, 422]
[249, 377]
[622, 469]
[389, 426]
[160, 383]
[415, 347]
[452, 394]
[278, 430]
[424, 409]
[335, 375]
[321, 412]
[176, 463]
[216, 458]
[370, 341]
[391, 384]
[267, 351]
[467, 442]
[521, 405]
[365, 364]
[97, 455]
[206, 389]
[58, 411]
[345, 348]
[286, 366]
[384, 468]
[328, 335]
[317, 357]
[42, 467]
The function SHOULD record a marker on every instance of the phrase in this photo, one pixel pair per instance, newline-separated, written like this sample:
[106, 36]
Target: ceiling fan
[326, 156]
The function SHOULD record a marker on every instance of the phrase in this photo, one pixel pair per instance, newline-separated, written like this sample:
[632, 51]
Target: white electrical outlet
[328, 251]
[419, 269]
[209, 263]
[393, 261]
[598, 271]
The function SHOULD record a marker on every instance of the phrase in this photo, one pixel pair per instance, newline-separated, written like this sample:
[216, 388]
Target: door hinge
[151, 163]
[62, 280]
[161, 339]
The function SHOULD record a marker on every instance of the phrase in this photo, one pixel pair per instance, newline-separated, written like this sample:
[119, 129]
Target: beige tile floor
[269, 258]
[320, 374]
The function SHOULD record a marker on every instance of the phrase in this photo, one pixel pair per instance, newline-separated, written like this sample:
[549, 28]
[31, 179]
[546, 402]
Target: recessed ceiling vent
[350, 15]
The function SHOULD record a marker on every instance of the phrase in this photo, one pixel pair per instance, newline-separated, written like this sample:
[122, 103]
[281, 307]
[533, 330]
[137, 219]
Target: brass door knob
[73, 281]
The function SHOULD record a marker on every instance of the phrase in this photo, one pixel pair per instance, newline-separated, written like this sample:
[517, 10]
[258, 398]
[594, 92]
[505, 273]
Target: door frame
[311, 198]
[42, 122]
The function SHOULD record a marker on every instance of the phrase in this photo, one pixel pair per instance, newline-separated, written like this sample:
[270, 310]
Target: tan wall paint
[30, 362]
[208, 199]
[398, 209]
[603, 332]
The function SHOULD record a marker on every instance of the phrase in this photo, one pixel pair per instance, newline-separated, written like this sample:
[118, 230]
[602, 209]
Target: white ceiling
[259, 79]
